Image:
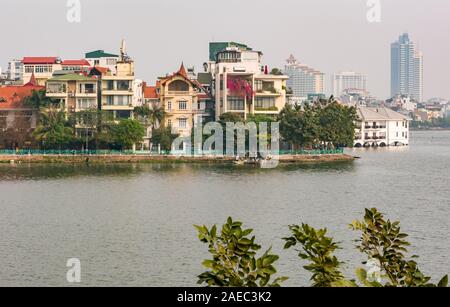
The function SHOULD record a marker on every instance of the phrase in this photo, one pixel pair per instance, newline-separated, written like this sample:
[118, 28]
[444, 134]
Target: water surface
[131, 224]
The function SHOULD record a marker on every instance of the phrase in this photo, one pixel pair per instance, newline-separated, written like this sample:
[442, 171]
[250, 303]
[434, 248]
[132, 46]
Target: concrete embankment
[161, 159]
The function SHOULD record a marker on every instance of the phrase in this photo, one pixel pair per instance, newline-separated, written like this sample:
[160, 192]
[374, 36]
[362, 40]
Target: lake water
[132, 224]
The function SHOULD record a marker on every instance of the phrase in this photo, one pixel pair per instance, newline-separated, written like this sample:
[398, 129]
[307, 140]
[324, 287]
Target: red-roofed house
[76, 65]
[17, 120]
[41, 67]
[183, 100]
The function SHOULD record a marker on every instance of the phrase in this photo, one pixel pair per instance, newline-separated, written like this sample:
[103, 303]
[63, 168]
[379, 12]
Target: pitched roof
[366, 113]
[150, 92]
[71, 77]
[76, 63]
[12, 97]
[182, 71]
[99, 54]
[39, 60]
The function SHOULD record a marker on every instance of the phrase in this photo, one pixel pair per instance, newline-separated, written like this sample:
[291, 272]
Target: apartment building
[241, 84]
[73, 92]
[102, 59]
[118, 88]
[303, 80]
[381, 127]
[41, 67]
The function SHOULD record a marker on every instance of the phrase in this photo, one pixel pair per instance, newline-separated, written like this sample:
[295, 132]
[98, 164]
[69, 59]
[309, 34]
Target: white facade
[138, 89]
[266, 93]
[381, 127]
[15, 70]
[303, 80]
[350, 80]
[103, 59]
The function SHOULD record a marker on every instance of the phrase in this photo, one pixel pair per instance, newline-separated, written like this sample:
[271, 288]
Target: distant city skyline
[160, 35]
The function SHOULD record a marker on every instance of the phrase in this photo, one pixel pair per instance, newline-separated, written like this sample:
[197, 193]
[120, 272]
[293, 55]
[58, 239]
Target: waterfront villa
[185, 101]
[242, 84]
[381, 127]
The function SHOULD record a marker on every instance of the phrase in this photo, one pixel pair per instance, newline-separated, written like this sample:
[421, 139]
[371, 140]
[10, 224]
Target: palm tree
[38, 100]
[54, 130]
[150, 116]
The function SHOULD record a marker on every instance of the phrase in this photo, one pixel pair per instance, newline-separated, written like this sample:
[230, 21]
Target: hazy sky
[329, 35]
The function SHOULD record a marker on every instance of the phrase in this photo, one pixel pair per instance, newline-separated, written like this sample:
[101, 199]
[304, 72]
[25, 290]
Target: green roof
[71, 77]
[99, 54]
[216, 47]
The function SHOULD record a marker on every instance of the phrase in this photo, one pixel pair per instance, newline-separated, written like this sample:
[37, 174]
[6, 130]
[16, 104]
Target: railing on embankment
[34, 152]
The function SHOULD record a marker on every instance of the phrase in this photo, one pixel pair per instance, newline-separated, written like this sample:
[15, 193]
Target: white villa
[381, 127]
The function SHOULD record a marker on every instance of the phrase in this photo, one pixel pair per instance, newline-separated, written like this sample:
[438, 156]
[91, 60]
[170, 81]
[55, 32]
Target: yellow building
[184, 101]
[117, 89]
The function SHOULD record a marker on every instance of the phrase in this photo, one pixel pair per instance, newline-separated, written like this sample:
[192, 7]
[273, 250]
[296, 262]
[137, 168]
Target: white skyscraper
[303, 80]
[406, 69]
[345, 81]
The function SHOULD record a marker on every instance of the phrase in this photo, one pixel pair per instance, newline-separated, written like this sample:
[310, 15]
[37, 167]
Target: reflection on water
[131, 224]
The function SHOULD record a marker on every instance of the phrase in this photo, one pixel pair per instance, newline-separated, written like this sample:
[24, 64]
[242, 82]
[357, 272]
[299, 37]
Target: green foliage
[150, 116]
[164, 137]
[234, 262]
[54, 130]
[318, 249]
[127, 133]
[337, 124]
[299, 126]
[326, 123]
[276, 71]
[382, 240]
[39, 100]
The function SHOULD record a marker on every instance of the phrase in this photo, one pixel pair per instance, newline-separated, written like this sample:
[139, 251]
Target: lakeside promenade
[319, 156]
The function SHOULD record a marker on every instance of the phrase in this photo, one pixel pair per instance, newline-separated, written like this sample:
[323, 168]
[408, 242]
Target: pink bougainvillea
[240, 87]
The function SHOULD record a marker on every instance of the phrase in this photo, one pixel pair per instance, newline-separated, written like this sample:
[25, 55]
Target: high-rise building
[348, 81]
[406, 69]
[303, 80]
[15, 71]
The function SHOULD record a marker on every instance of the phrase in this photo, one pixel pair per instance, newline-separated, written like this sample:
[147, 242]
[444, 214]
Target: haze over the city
[327, 35]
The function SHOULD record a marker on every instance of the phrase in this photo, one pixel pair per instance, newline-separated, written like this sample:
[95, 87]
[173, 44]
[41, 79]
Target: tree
[234, 262]
[276, 71]
[164, 137]
[318, 249]
[299, 126]
[38, 100]
[54, 130]
[150, 116]
[337, 124]
[382, 240]
[127, 133]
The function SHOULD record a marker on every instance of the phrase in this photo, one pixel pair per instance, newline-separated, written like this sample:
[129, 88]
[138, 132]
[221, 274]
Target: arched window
[178, 86]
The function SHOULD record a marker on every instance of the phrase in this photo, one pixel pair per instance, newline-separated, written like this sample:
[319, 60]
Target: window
[178, 86]
[89, 88]
[182, 122]
[199, 106]
[182, 105]
[84, 103]
[265, 86]
[56, 88]
[109, 85]
[123, 85]
[118, 100]
[265, 103]
[169, 105]
[236, 103]
[96, 62]
[29, 69]
[169, 122]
